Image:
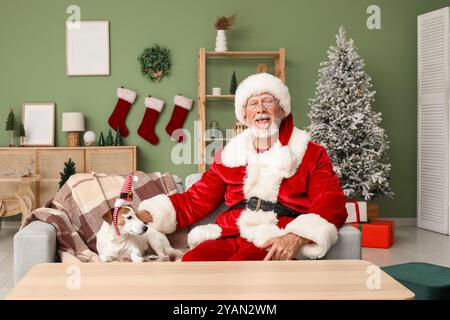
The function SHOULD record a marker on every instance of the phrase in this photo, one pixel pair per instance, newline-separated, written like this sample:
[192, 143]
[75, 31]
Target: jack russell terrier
[135, 238]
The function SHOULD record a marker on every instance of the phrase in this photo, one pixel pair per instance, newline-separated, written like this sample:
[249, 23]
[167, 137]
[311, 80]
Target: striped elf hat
[125, 198]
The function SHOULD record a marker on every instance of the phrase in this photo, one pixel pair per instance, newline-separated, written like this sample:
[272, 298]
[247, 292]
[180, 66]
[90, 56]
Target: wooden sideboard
[48, 162]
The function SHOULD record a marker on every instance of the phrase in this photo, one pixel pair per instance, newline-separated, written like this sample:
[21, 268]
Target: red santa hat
[259, 83]
[125, 198]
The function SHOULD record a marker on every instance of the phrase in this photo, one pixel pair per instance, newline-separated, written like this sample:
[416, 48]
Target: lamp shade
[72, 121]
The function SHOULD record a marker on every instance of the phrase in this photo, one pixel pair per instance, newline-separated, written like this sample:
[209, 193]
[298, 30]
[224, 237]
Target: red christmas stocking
[147, 128]
[175, 126]
[117, 118]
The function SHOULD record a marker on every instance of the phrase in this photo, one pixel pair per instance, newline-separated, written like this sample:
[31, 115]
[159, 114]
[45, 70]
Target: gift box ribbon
[358, 216]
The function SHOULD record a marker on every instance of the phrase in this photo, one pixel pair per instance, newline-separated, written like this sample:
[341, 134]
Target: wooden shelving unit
[203, 55]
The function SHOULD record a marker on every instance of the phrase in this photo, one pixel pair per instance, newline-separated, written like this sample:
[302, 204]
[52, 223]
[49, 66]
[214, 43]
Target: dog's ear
[144, 216]
[108, 216]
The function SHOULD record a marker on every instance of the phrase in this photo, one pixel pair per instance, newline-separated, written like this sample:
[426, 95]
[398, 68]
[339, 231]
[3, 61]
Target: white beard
[270, 132]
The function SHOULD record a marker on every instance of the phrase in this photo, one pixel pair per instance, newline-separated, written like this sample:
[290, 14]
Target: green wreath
[155, 63]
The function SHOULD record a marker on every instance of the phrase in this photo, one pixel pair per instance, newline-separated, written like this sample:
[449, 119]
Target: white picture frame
[87, 48]
[39, 123]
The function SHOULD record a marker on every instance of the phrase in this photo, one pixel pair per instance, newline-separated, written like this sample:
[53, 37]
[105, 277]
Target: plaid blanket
[77, 208]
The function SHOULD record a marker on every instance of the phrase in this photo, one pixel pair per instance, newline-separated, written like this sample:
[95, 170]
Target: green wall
[32, 64]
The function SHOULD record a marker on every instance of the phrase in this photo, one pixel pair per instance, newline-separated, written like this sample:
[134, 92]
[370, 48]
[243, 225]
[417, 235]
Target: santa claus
[284, 199]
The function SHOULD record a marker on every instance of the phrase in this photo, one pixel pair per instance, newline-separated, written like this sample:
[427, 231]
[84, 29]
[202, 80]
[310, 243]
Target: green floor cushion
[427, 281]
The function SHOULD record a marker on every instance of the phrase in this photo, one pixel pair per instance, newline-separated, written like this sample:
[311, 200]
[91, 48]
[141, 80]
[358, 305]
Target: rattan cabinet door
[13, 163]
[120, 161]
[50, 163]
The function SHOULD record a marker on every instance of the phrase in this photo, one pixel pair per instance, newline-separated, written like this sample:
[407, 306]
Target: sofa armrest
[348, 245]
[35, 243]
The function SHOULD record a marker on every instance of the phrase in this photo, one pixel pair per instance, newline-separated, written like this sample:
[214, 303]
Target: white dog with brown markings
[135, 238]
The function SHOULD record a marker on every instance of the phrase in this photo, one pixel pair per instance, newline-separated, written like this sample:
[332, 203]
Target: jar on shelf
[214, 131]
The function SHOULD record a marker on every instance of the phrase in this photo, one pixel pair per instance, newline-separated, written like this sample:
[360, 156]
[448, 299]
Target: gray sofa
[36, 243]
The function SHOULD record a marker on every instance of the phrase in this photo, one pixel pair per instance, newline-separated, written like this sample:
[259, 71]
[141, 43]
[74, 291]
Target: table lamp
[73, 124]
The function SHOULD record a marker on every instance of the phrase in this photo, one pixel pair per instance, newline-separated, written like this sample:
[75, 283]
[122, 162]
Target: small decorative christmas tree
[22, 133]
[118, 141]
[10, 126]
[101, 140]
[233, 83]
[341, 119]
[69, 169]
[109, 138]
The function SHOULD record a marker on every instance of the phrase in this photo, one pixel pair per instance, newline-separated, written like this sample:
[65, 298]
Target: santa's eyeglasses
[266, 102]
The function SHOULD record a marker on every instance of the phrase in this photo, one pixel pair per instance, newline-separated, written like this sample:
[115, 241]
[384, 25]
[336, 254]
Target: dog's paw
[164, 259]
[174, 254]
[151, 258]
[107, 258]
[157, 258]
[137, 259]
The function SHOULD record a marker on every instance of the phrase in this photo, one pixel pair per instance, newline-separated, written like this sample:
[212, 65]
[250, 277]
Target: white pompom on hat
[259, 83]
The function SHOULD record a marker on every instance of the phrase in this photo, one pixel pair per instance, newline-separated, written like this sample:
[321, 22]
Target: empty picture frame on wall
[39, 124]
[87, 48]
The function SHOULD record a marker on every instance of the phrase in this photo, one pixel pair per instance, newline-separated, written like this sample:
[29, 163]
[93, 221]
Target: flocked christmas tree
[69, 169]
[342, 120]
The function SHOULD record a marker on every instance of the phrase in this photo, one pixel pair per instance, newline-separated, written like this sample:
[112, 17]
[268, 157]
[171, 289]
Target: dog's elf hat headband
[125, 198]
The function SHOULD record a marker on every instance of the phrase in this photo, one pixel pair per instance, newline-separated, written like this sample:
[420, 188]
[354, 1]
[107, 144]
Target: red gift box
[377, 233]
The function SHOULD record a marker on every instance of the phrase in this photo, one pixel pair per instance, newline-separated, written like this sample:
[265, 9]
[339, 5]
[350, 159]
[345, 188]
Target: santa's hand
[284, 247]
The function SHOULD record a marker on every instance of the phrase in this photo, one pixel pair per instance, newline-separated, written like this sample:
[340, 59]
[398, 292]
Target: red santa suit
[295, 172]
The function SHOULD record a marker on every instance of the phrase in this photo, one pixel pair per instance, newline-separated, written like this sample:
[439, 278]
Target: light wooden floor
[412, 245]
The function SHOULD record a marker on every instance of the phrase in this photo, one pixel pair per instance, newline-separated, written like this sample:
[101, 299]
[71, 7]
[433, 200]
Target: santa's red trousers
[234, 248]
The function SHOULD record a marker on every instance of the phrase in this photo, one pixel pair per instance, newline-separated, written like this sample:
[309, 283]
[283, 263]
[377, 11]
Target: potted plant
[222, 24]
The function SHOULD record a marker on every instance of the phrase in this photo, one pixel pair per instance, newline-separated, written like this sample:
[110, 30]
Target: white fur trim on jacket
[126, 94]
[154, 103]
[313, 227]
[259, 227]
[265, 171]
[163, 213]
[203, 233]
[183, 102]
[259, 83]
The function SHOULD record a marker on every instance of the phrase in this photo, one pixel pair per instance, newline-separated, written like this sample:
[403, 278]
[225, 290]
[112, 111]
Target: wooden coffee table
[322, 279]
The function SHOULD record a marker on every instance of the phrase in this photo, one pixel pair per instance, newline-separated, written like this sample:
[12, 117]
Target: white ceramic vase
[221, 41]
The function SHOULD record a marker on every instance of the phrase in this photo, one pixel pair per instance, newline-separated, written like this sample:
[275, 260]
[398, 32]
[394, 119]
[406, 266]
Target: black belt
[255, 203]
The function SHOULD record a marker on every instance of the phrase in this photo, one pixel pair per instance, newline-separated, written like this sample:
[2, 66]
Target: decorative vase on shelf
[221, 41]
